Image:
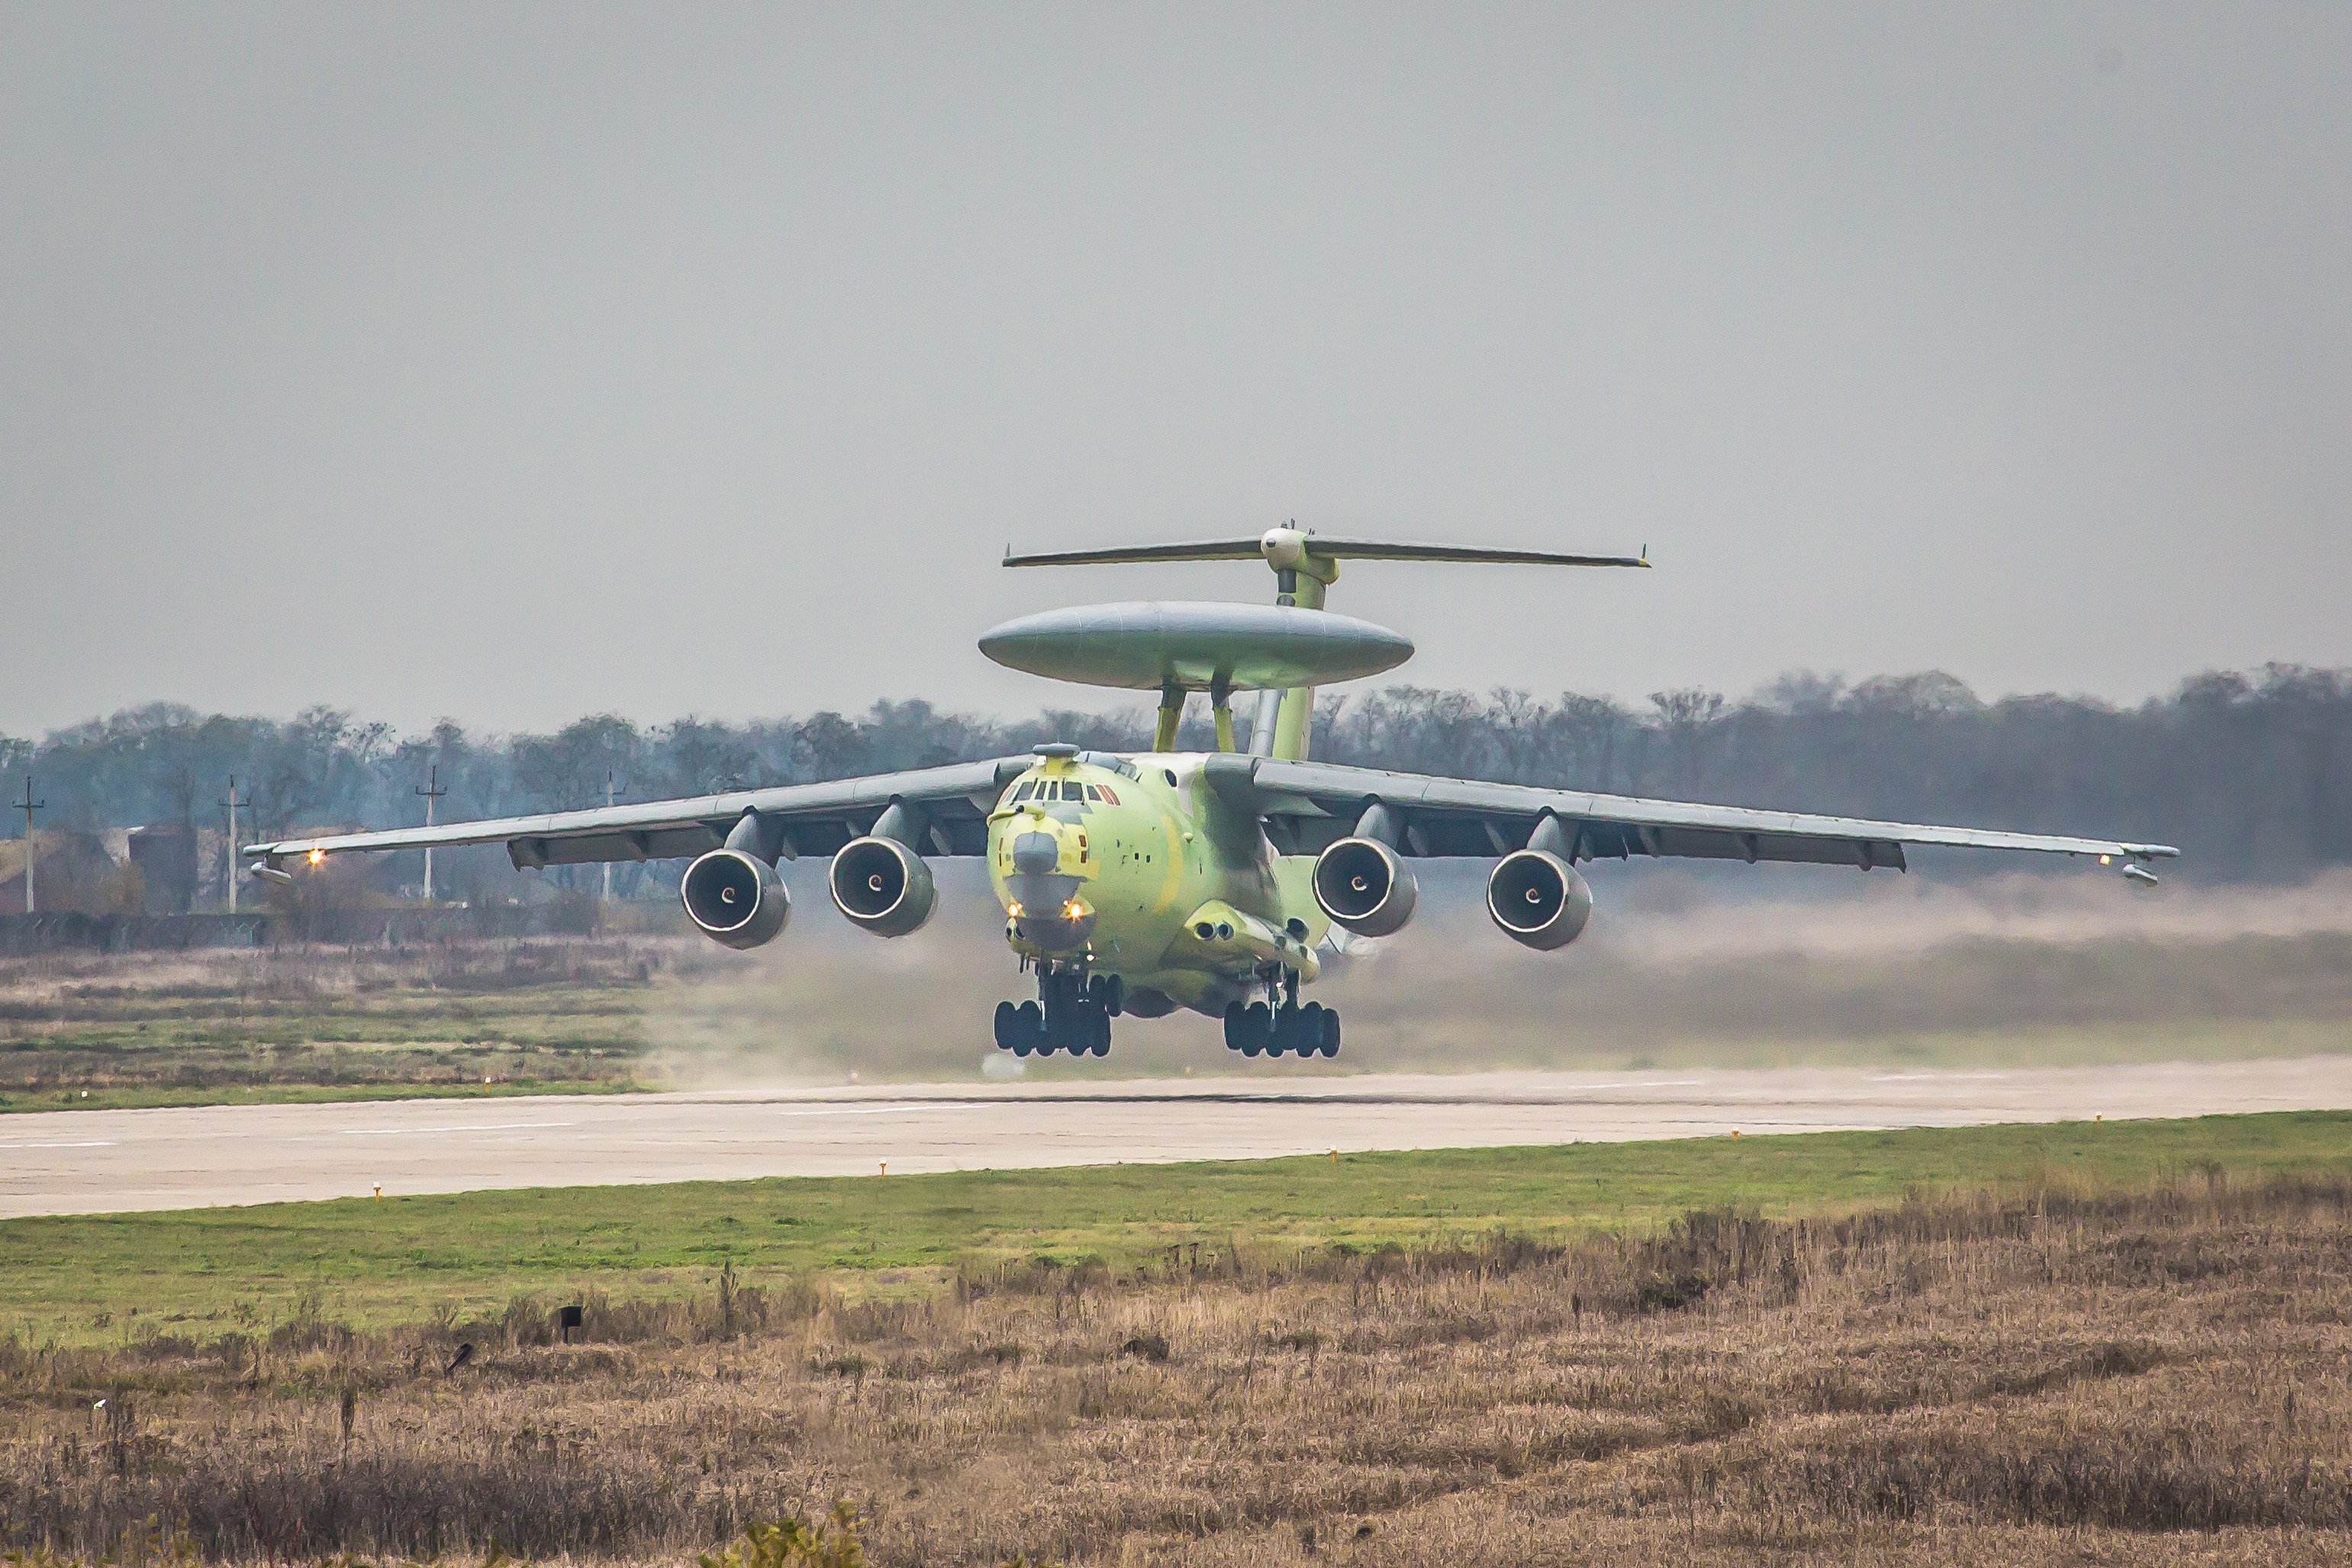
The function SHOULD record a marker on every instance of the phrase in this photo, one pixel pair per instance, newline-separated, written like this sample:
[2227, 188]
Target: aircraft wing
[950, 805]
[1313, 803]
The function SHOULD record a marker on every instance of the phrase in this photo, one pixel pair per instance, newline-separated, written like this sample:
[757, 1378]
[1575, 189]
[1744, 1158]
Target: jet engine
[736, 900]
[883, 886]
[1363, 885]
[1539, 899]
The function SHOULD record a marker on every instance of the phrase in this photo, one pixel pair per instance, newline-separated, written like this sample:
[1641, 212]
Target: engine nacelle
[1365, 886]
[735, 899]
[1539, 899]
[883, 886]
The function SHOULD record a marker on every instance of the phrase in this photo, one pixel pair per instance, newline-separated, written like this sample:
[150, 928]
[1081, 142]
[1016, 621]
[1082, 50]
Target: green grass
[96, 1278]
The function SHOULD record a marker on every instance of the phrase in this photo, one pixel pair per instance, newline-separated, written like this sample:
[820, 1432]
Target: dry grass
[141, 1028]
[2121, 1378]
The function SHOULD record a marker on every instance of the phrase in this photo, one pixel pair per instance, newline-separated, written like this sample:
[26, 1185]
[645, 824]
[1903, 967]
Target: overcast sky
[512, 363]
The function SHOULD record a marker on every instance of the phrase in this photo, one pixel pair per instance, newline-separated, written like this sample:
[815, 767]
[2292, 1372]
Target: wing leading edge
[947, 809]
[1313, 803]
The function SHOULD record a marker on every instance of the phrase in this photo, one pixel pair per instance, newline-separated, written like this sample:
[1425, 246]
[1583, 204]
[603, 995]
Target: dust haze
[1693, 966]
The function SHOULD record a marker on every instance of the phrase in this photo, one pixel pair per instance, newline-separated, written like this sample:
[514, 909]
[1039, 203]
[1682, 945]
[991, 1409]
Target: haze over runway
[80, 1161]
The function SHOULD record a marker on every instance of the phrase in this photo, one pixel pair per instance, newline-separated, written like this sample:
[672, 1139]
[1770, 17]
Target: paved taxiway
[101, 1161]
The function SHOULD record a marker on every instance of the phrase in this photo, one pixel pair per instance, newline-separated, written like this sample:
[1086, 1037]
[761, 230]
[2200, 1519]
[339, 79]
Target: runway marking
[474, 1127]
[86, 1144]
[1931, 1077]
[915, 1105]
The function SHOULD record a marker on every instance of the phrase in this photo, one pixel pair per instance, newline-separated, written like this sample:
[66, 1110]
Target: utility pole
[609, 788]
[232, 803]
[431, 789]
[28, 806]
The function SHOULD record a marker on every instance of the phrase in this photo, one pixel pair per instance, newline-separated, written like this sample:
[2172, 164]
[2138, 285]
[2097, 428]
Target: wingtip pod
[2133, 870]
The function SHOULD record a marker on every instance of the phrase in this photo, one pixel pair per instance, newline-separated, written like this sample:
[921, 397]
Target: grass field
[107, 1278]
[90, 1031]
[2115, 1344]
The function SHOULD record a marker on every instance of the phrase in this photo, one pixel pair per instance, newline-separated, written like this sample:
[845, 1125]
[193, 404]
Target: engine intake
[1539, 899]
[736, 900]
[883, 886]
[1363, 885]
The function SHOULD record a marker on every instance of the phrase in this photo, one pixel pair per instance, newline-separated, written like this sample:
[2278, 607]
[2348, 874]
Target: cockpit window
[1093, 793]
[1108, 798]
[1025, 791]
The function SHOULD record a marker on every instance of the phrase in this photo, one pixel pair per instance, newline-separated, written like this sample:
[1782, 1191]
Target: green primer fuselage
[1153, 878]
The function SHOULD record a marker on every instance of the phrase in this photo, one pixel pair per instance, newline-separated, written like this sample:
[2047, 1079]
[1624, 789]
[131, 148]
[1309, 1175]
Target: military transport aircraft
[1136, 882]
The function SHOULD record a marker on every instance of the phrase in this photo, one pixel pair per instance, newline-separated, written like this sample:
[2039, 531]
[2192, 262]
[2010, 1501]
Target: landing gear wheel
[1236, 1026]
[1030, 1029]
[1258, 1027]
[1008, 1025]
[1307, 1029]
[1102, 1031]
[1330, 1032]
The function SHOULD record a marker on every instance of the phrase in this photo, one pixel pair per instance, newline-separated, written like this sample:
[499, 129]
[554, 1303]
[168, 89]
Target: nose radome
[1035, 854]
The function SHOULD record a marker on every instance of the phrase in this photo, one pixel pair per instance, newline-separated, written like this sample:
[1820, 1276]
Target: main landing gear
[1256, 1029]
[1072, 1013]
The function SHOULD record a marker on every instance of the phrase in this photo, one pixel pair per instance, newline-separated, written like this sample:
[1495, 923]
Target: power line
[431, 789]
[28, 806]
[609, 788]
[232, 803]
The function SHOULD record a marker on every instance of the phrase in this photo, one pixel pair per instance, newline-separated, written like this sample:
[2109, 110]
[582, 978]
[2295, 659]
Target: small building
[165, 855]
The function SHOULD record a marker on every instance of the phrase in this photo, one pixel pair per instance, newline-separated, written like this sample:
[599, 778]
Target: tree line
[2250, 772]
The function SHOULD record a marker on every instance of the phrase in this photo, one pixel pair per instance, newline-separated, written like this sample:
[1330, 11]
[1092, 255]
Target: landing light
[318, 856]
[1070, 910]
[1013, 909]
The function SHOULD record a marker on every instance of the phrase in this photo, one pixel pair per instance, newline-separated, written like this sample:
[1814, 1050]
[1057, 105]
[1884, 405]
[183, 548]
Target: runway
[82, 1162]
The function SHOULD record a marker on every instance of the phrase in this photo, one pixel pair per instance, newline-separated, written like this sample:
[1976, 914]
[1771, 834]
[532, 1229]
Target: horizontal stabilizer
[1269, 546]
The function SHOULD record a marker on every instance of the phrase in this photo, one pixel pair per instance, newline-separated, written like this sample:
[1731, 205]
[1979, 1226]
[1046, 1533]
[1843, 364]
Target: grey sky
[512, 363]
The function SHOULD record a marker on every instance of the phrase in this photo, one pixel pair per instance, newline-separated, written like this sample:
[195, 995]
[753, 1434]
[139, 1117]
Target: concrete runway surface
[82, 1162]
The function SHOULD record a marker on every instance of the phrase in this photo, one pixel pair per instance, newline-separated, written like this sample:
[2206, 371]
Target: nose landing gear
[1072, 1013]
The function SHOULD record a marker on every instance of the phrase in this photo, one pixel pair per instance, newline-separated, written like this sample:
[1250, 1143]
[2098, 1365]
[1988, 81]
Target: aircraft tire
[1008, 1025]
[1236, 1025]
[1331, 1041]
[1258, 1023]
[1101, 1030]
